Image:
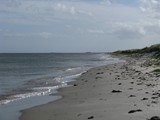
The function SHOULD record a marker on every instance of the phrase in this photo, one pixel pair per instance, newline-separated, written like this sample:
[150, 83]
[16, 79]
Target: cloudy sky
[78, 25]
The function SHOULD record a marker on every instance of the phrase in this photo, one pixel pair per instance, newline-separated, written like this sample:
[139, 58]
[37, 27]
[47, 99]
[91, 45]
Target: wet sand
[122, 91]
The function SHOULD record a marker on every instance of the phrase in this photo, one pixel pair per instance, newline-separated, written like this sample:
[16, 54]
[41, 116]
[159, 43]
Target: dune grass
[152, 52]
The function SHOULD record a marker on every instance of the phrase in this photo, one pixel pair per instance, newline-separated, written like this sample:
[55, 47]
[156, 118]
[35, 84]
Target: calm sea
[24, 76]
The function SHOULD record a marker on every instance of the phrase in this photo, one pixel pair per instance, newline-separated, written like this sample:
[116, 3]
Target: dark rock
[150, 85]
[99, 73]
[133, 111]
[154, 118]
[154, 97]
[154, 102]
[139, 83]
[75, 85]
[144, 99]
[91, 117]
[120, 84]
[132, 96]
[156, 93]
[116, 91]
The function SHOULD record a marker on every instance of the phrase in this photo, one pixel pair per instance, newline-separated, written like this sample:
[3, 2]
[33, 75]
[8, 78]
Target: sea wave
[38, 91]
[57, 73]
[43, 90]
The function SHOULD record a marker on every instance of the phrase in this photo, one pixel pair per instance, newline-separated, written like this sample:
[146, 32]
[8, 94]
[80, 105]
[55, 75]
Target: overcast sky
[78, 25]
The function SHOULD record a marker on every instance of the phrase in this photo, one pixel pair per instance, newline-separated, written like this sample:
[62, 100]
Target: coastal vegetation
[152, 52]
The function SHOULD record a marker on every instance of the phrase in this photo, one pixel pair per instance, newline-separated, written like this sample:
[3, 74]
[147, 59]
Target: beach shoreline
[125, 90]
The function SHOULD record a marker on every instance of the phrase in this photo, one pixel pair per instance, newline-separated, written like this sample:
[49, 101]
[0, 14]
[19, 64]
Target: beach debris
[150, 85]
[154, 102]
[156, 93]
[91, 117]
[98, 77]
[154, 97]
[119, 83]
[133, 111]
[116, 91]
[142, 78]
[144, 99]
[140, 83]
[130, 88]
[100, 73]
[154, 118]
[132, 96]
[75, 85]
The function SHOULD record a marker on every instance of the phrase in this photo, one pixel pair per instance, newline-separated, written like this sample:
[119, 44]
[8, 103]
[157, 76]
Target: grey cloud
[152, 7]
[127, 34]
[128, 30]
[11, 3]
[76, 22]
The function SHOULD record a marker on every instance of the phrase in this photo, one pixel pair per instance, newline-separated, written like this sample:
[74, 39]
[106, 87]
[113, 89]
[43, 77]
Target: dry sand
[122, 91]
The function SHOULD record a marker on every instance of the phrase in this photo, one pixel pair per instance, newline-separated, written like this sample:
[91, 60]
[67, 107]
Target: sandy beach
[121, 91]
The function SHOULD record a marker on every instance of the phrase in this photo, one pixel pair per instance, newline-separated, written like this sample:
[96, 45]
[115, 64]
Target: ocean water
[26, 78]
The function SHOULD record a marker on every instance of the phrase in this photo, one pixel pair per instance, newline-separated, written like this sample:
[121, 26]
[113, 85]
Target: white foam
[38, 91]
[71, 69]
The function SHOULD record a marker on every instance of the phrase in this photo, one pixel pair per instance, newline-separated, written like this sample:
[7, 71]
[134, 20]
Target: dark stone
[133, 111]
[91, 117]
[98, 77]
[155, 102]
[154, 118]
[120, 84]
[99, 73]
[144, 99]
[116, 91]
[132, 96]
[75, 85]
[139, 83]
[154, 97]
